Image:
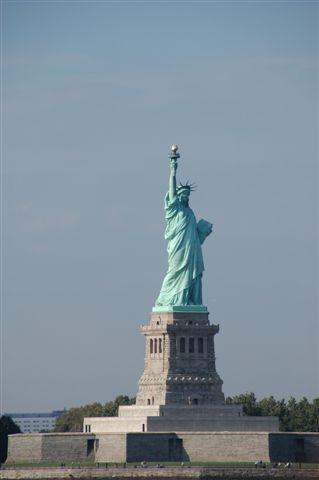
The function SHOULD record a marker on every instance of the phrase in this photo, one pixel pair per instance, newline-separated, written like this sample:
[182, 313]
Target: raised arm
[172, 181]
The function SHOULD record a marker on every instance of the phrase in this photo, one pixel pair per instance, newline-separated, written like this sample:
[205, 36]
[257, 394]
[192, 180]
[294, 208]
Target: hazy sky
[94, 93]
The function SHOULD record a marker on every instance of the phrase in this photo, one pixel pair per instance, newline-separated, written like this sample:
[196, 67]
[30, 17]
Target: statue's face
[183, 196]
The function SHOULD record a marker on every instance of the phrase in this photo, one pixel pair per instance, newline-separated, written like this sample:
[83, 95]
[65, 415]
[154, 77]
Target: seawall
[180, 473]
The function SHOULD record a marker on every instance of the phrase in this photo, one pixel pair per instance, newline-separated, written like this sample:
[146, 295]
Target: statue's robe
[182, 284]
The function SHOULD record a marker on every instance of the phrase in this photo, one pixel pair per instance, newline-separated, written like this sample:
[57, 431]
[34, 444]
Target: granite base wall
[294, 447]
[225, 446]
[111, 447]
[150, 447]
[161, 447]
[68, 447]
[312, 448]
[50, 447]
[24, 448]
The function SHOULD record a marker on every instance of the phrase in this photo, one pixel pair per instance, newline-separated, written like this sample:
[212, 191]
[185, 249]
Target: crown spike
[188, 186]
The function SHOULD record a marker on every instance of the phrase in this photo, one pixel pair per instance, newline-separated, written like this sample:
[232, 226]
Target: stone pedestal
[180, 390]
[180, 359]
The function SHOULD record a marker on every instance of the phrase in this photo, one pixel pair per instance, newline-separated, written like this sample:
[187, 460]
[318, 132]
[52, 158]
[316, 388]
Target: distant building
[36, 422]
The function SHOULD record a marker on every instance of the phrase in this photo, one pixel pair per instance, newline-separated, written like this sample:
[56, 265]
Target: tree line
[294, 416]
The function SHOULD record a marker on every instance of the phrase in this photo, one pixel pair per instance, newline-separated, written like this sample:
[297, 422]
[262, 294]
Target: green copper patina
[182, 285]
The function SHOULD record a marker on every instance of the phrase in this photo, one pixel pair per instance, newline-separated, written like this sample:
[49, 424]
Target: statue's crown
[188, 186]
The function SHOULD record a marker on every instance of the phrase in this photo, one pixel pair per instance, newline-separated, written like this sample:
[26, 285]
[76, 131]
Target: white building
[35, 422]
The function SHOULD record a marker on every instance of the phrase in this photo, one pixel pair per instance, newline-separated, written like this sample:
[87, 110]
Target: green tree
[294, 416]
[314, 416]
[300, 415]
[248, 401]
[7, 427]
[72, 419]
[111, 408]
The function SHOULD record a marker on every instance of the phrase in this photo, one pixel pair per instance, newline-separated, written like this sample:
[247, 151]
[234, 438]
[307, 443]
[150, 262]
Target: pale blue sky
[93, 95]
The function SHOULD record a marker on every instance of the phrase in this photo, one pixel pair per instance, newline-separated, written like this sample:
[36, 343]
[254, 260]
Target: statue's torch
[173, 155]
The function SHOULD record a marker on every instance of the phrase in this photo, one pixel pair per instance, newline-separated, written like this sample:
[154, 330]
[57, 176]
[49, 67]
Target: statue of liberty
[182, 284]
